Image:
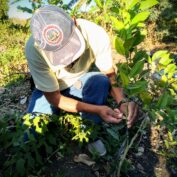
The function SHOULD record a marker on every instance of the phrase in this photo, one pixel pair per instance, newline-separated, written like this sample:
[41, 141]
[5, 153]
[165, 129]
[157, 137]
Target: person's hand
[130, 109]
[109, 115]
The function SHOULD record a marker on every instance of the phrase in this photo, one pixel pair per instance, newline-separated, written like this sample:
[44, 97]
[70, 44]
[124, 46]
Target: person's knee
[98, 82]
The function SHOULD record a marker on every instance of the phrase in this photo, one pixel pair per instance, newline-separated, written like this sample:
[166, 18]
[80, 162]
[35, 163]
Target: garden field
[143, 34]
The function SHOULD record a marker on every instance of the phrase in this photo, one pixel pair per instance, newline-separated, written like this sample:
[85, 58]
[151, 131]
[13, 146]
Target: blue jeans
[93, 88]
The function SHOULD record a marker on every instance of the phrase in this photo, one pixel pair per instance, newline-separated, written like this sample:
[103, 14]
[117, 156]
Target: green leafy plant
[148, 80]
[31, 143]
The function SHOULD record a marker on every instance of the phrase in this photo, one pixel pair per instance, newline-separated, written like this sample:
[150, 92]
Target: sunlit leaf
[132, 3]
[119, 46]
[117, 23]
[165, 59]
[158, 54]
[170, 68]
[148, 4]
[174, 85]
[141, 17]
[99, 3]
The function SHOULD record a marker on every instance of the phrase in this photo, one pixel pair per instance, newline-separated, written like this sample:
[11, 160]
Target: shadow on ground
[166, 22]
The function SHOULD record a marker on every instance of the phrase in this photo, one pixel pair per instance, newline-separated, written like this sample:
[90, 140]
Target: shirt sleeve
[99, 41]
[44, 79]
[104, 54]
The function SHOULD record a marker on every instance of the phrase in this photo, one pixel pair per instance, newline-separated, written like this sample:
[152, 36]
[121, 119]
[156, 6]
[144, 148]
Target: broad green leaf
[146, 97]
[141, 25]
[117, 23]
[113, 133]
[138, 38]
[124, 78]
[141, 17]
[129, 43]
[20, 166]
[115, 10]
[123, 67]
[123, 34]
[170, 68]
[139, 56]
[148, 4]
[126, 16]
[137, 68]
[119, 46]
[158, 54]
[99, 3]
[132, 3]
[163, 100]
[164, 79]
[152, 114]
[165, 59]
[138, 87]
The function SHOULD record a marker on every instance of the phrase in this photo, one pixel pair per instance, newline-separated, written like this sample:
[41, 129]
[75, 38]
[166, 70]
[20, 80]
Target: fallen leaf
[23, 100]
[141, 149]
[84, 158]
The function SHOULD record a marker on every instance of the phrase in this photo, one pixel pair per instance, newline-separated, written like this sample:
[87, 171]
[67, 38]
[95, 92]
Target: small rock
[23, 100]
[84, 158]
[2, 90]
[141, 149]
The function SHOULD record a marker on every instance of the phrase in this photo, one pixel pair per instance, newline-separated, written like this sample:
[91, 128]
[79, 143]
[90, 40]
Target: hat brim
[70, 52]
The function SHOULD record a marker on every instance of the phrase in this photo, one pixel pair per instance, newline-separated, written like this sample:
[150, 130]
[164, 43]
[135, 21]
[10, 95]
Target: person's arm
[72, 105]
[130, 109]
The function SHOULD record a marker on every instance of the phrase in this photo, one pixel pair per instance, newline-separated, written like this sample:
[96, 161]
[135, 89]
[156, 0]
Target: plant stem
[142, 126]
